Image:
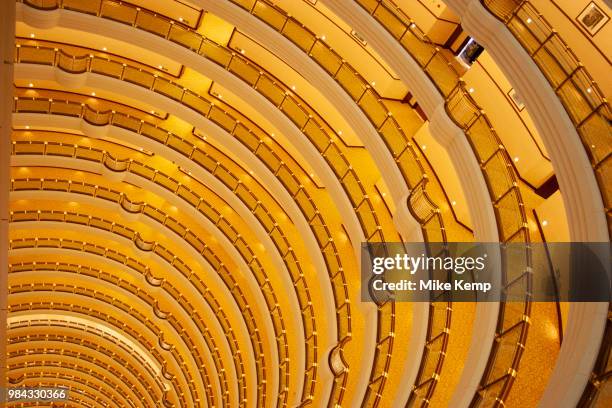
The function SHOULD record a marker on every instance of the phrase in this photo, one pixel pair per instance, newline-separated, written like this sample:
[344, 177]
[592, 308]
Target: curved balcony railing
[586, 106]
[92, 248]
[180, 229]
[86, 348]
[33, 243]
[585, 103]
[206, 158]
[118, 324]
[216, 168]
[92, 342]
[502, 181]
[131, 311]
[27, 184]
[330, 151]
[39, 359]
[367, 98]
[172, 291]
[146, 298]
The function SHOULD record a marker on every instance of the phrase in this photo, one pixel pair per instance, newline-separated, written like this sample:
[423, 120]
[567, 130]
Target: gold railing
[366, 97]
[84, 347]
[38, 358]
[583, 100]
[288, 103]
[118, 324]
[156, 380]
[206, 159]
[251, 139]
[92, 248]
[97, 191]
[503, 183]
[194, 199]
[585, 104]
[238, 128]
[97, 222]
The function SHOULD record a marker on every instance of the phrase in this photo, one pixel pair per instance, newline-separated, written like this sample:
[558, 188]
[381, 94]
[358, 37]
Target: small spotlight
[516, 159]
[544, 223]
[32, 35]
[293, 87]
[424, 147]
[30, 85]
[323, 37]
[27, 127]
[529, 20]
[181, 19]
[453, 203]
[103, 48]
[471, 90]
[93, 94]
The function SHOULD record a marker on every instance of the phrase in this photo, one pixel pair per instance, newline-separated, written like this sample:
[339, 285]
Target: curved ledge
[583, 203]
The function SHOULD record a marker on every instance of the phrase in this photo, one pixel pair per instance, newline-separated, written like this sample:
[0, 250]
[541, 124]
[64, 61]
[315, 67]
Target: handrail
[498, 169]
[29, 322]
[14, 307]
[247, 137]
[203, 158]
[88, 153]
[86, 345]
[145, 297]
[111, 375]
[67, 185]
[366, 98]
[586, 106]
[580, 95]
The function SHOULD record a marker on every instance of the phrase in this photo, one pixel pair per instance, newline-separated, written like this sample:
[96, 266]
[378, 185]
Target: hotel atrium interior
[186, 186]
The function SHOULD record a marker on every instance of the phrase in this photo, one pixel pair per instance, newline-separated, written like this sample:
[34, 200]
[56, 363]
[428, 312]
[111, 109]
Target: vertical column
[7, 47]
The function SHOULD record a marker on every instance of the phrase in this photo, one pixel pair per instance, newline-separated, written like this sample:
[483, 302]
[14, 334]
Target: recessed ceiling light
[323, 37]
[589, 90]
[293, 87]
[181, 19]
[373, 83]
[32, 35]
[424, 147]
[516, 159]
[93, 94]
[242, 50]
[103, 48]
[160, 66]
[529, 20]
[453, 202]
[30, 84]
[544, 223]
[27, 127]
[471, 90]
